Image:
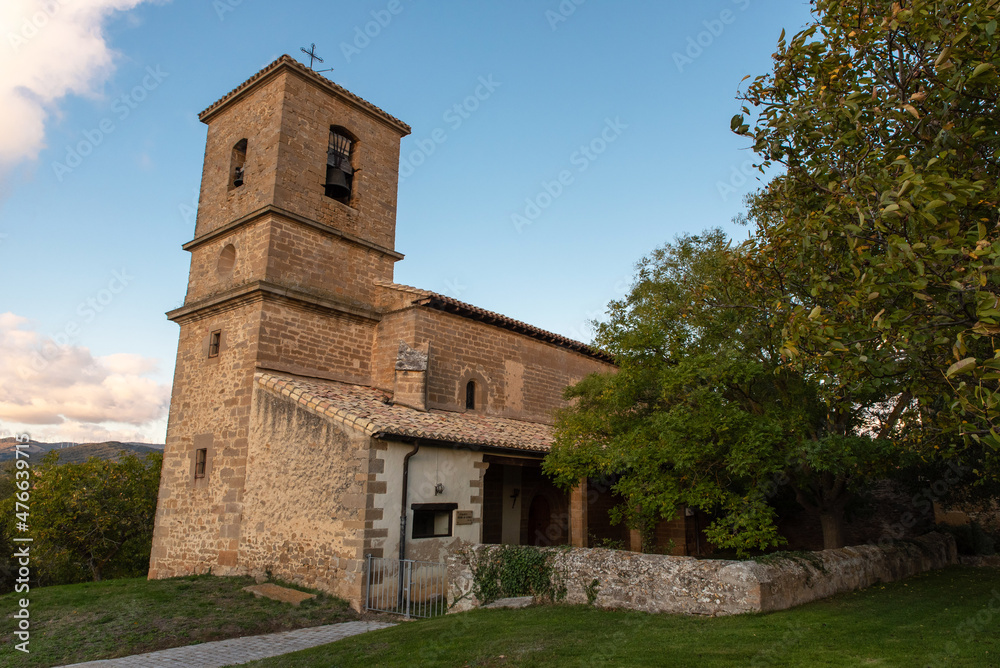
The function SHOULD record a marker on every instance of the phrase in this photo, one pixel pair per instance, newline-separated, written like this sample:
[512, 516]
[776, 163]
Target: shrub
[970, 538]
[515, 570]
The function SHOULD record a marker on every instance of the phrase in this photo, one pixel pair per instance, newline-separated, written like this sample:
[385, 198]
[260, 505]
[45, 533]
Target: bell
[238, 177]
[336, 183]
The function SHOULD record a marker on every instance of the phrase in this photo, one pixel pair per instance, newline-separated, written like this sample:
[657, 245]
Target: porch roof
[370, 410]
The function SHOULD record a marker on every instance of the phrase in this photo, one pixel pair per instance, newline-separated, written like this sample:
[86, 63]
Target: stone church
[322, 412]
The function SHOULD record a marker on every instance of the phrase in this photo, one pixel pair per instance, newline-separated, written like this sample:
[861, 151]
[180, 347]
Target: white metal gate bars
[406, 587]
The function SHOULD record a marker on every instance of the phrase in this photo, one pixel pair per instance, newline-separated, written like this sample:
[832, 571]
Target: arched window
[470, 395]
[237, 164]
[339, 170]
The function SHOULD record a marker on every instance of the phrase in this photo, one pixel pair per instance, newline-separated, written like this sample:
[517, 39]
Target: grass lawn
[101, 620]
[944, 618]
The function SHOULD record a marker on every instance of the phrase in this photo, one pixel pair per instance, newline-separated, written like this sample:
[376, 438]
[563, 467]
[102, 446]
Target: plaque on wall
[463, 517]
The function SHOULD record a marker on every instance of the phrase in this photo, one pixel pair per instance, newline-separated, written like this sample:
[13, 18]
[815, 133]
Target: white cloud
[65, 393]
[48, 49]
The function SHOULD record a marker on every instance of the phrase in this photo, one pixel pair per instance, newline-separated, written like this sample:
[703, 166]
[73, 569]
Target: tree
[97, 515]
[884, 115]
[704, 413]
[856, 333]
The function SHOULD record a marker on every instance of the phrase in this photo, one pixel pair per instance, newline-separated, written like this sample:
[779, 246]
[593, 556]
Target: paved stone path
[238, 650]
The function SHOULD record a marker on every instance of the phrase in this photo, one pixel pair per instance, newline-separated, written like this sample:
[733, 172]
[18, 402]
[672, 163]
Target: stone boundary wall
[658, 583]
[991, 561]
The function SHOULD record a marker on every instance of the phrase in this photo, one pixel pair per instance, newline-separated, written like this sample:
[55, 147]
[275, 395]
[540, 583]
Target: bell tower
[296, 221]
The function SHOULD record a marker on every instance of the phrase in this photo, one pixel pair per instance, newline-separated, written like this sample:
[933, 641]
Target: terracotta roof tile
[370, 410]
[288, 61]
[448, 304]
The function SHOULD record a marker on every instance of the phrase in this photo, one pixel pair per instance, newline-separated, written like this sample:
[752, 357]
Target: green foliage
[856, 333]
[702, 413]
[592, 590]
[970, 538]
[515, 570]
[606, 543]
[883, 231]
[89, 520]
[8, 566]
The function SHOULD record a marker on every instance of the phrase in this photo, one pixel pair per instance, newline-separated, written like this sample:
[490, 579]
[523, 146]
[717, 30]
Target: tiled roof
[370, 411]
[288, 61]
[450, 305]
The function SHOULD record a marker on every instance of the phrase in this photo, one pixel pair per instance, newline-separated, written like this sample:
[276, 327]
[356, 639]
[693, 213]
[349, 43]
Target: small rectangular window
[200, 459]
[432, 520]
[213, 343]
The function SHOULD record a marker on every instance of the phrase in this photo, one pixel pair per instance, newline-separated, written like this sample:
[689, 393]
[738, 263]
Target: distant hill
[71, 453]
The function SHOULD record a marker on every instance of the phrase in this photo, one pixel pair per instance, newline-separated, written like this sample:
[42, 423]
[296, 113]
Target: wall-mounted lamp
[438, 489]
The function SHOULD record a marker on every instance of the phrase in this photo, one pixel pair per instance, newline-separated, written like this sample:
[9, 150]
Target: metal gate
[406, 587]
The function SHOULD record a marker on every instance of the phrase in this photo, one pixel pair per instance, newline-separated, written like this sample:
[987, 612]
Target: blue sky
[627, 103]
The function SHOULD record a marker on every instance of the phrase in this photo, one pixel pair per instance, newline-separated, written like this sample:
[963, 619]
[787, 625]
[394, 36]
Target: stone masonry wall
[207, 279]
[657, 583]
[324, 265]
[306, 514]
[305, 136]
[521, 377]
[300, 340]
[197, 520]
[258, 120]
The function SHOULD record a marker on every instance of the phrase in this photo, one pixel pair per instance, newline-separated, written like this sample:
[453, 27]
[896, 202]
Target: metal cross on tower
[311, 53]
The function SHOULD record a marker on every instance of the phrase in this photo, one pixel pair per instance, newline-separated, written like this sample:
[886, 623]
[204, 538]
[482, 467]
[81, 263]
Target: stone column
[578, 515]
[635, 540]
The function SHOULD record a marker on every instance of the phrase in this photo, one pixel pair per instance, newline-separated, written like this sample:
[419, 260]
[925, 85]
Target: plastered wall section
[458, 469]
[308, 113]
[309, 513]
[520, 377]
[197, 521]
